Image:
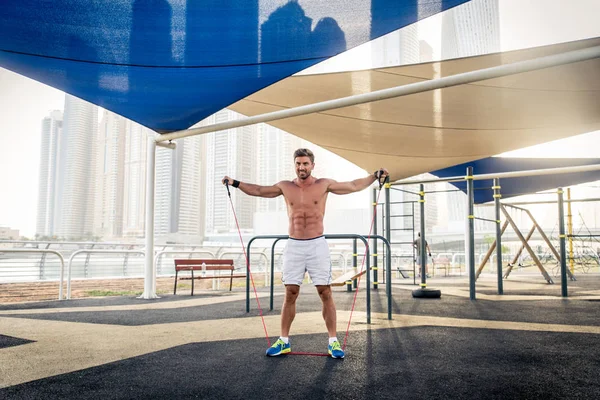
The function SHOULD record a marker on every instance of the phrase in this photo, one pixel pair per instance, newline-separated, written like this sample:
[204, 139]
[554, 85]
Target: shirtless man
[306, 249]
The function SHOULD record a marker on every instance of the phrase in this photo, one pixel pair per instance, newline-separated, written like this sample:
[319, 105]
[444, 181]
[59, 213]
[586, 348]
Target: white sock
[332, 339]
[286, 340]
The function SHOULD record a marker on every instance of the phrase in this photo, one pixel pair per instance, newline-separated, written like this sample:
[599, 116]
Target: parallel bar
[563, 250]
[498, 234]
[375, 265]
[418, 87]
[354, 263]
[423, 249]
[471, 233]
[570, 229]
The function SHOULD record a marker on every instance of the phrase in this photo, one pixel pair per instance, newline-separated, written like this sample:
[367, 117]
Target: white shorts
[302, 255]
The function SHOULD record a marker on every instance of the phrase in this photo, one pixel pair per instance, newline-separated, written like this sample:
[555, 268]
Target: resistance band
[248, 265]
[378, 175]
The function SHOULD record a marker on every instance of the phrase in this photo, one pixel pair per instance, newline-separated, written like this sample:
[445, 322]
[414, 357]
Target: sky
[24, 102]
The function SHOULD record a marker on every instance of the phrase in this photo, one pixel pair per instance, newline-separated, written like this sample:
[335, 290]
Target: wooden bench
[204, 265]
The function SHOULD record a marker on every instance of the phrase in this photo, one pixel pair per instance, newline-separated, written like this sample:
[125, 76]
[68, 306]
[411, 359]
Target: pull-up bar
[500, 175]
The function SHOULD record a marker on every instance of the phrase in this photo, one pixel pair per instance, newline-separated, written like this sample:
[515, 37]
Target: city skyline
[25, 103]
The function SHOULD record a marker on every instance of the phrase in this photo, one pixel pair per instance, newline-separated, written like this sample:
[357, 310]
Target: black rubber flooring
[419, 363]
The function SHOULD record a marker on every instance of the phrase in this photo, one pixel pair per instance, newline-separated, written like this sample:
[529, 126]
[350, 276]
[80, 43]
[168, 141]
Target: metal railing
[94, 251]
[43, 251]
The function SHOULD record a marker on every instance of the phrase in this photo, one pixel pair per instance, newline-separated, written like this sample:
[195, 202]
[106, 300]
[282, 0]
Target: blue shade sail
[511, 187]
[170, 64]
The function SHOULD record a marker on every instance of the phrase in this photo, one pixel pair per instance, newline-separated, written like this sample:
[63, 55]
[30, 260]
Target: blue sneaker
[279, 348]
[335, 350]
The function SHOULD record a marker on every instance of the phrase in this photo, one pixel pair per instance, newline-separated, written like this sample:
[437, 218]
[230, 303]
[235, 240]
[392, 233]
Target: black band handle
[378, 175]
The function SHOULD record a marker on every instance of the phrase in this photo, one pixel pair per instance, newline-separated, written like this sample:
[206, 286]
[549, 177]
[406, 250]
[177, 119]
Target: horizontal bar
[514, 174]
[444, 191]
[486, 219]
[418, 87]
[583, 236]
[405, 191]
[524, 203]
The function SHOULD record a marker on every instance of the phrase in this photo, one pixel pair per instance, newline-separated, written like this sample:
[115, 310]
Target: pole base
[427, 293]
[148, 296]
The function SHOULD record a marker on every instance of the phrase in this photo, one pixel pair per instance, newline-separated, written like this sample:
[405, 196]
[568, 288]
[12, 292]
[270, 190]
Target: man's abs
[305, 226]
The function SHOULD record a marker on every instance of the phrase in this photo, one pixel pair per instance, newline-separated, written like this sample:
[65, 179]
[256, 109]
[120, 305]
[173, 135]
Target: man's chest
[313, 195]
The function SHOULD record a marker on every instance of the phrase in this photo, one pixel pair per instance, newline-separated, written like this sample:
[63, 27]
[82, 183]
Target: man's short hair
[305, 153]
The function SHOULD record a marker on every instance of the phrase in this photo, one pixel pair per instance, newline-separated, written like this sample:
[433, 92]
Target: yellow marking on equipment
[421, 201]
[355, 254]
[498, 221]
[559, 192]
[496, 187]
[423, 285]
[471, 217]
[387, 185]
[375, 283]
[562, 236]
[348, 282]
[422, 193]
[374, 204]
[497, 196]
[469, 177]
[374, 268]
[375, 255]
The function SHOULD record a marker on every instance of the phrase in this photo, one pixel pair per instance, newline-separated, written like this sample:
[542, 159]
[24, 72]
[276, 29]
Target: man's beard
[305, 177]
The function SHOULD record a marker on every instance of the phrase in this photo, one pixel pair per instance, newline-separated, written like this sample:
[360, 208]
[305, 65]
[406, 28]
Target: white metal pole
[150, 270]
[501, 175]
[448, 81]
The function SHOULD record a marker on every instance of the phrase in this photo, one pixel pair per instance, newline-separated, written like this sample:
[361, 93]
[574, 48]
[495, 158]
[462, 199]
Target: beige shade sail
[428, 131]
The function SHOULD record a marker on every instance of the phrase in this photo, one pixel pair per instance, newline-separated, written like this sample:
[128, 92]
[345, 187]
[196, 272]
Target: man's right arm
[254, 190]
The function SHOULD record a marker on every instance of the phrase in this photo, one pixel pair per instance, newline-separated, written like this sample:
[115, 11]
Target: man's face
[303, 167]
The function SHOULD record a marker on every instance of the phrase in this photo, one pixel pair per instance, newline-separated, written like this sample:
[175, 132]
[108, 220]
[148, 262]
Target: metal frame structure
[419, 87]
[277, 238]
[470, 234]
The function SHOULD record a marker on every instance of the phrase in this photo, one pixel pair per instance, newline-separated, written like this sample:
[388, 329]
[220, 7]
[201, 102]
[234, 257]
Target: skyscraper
[51, 134]
[471, 29]
[179, 204]
[275, 162]
[396, 48]
[109, 176]
[231, 153]
[75, 205]
[134, 196]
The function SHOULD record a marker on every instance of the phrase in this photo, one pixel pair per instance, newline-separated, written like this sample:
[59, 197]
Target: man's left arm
[356, 185]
